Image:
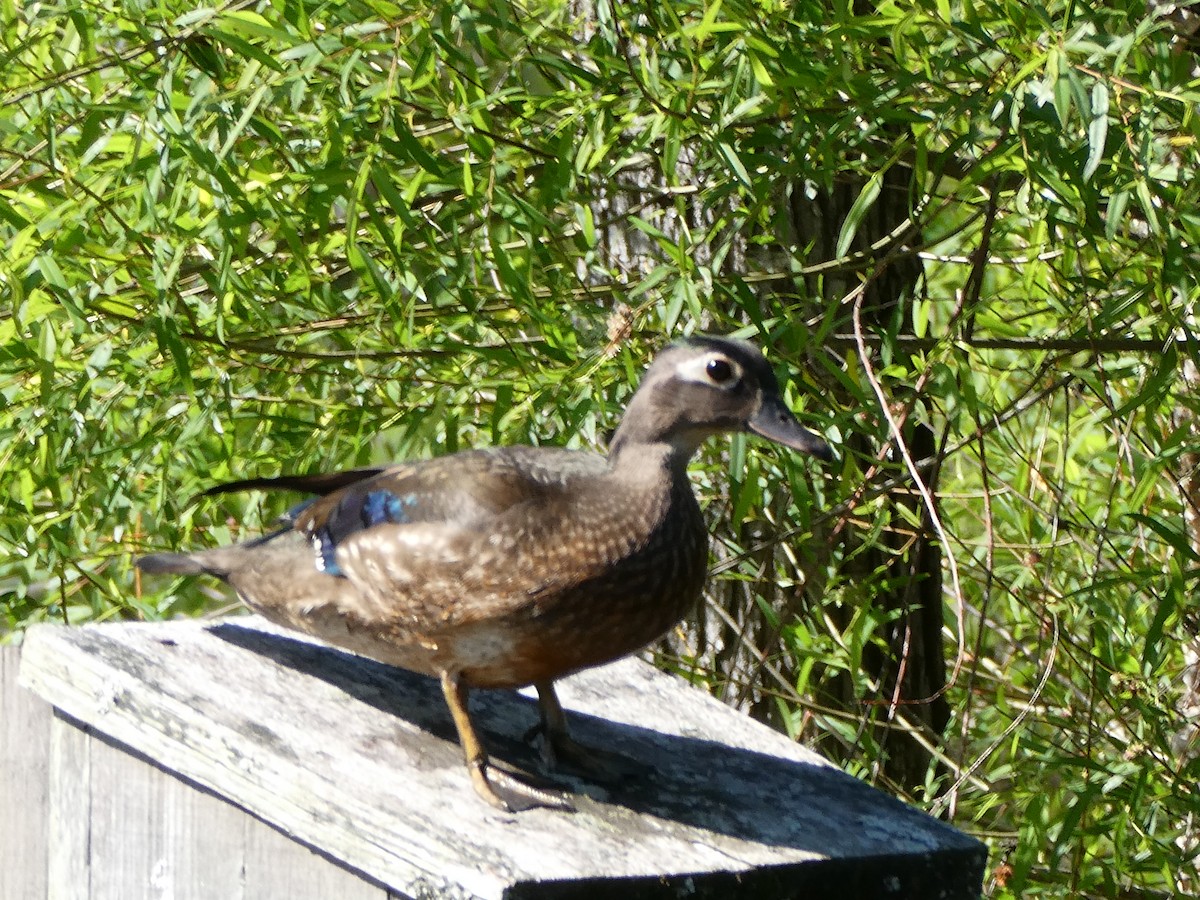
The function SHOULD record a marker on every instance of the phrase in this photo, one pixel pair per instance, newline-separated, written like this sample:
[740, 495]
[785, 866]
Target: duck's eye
[719, 370]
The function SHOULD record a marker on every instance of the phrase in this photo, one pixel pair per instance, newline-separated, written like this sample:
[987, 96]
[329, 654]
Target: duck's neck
[650, 455]
[651, 439]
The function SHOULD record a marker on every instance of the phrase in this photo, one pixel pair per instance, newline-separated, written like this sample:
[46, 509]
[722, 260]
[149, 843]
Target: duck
[512, 566]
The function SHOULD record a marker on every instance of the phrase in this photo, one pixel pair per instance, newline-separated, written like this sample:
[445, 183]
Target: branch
[1060, 345]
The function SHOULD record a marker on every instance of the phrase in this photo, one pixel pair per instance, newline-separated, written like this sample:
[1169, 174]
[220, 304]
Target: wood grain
[359, 760]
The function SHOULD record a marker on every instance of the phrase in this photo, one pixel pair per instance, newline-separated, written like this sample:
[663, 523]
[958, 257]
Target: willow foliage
[283, 236]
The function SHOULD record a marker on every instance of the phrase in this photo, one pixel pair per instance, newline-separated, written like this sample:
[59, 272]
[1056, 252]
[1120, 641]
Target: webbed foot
[500, 789]
[561, 751]
[509, 793]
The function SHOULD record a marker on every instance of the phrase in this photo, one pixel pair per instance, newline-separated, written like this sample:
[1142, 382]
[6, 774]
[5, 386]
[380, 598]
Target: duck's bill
[775, 422]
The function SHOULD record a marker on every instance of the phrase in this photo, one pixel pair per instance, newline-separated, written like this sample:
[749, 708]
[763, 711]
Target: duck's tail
[218, 562]
[175, 564]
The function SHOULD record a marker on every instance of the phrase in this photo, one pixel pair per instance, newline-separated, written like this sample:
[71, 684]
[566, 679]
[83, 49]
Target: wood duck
[512, 566]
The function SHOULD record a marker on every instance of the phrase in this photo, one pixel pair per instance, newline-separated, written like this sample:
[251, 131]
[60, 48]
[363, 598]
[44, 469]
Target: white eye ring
[712, 370]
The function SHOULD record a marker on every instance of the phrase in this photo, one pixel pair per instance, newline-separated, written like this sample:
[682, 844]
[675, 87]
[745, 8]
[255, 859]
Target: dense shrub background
[285, 236]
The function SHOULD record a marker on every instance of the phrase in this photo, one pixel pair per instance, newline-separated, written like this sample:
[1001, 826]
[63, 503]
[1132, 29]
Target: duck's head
[703, 386]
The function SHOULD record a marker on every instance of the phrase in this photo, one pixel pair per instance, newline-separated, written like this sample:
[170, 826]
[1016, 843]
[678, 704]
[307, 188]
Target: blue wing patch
[326, 560]
[384, 506]
[378, 508]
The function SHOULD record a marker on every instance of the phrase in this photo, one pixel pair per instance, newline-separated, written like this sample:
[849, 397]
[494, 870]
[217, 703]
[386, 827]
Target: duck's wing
[459, 495]
[453, 489]
[456, 539]
[432, 543]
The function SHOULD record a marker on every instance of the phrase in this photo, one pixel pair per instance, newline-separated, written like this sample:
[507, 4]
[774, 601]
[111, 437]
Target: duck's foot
[510, 794]
[497, 787]
[560, 751]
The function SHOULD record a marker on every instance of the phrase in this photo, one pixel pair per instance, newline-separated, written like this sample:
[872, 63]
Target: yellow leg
[560, 749]
[501, 790]
[554, 720]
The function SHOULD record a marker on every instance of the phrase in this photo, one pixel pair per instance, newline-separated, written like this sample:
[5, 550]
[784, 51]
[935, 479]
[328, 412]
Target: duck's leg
[561, 750]
[498, 788]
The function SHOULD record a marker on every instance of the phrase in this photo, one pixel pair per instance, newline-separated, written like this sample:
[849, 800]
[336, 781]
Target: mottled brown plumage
[512, 566]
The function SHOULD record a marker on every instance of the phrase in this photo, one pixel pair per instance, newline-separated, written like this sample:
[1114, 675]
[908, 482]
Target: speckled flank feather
[517, 565]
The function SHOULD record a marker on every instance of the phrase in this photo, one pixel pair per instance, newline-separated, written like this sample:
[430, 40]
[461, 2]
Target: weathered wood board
[83, 818]
[360, 761]
[24, 773]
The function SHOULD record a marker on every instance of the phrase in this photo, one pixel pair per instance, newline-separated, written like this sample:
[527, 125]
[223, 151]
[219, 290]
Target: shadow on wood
[360, 761]
[695, 781]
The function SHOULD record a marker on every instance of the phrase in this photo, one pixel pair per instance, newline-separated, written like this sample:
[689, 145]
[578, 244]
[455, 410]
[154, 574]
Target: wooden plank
[155, 835]
[210, 848]
[360, 760]
[24, 773]
[121, 827]
[275, 867]
[69, 828]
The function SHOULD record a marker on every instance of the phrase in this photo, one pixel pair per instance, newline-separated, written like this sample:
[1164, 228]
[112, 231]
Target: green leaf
[1097, 130]
[408, 147]
[1153, 652]
[730, 155]
[172, 346]
[854, 218]
[588, 225]
[1115, 214]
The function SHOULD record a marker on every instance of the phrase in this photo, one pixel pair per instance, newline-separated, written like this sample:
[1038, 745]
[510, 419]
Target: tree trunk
[905, 570]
